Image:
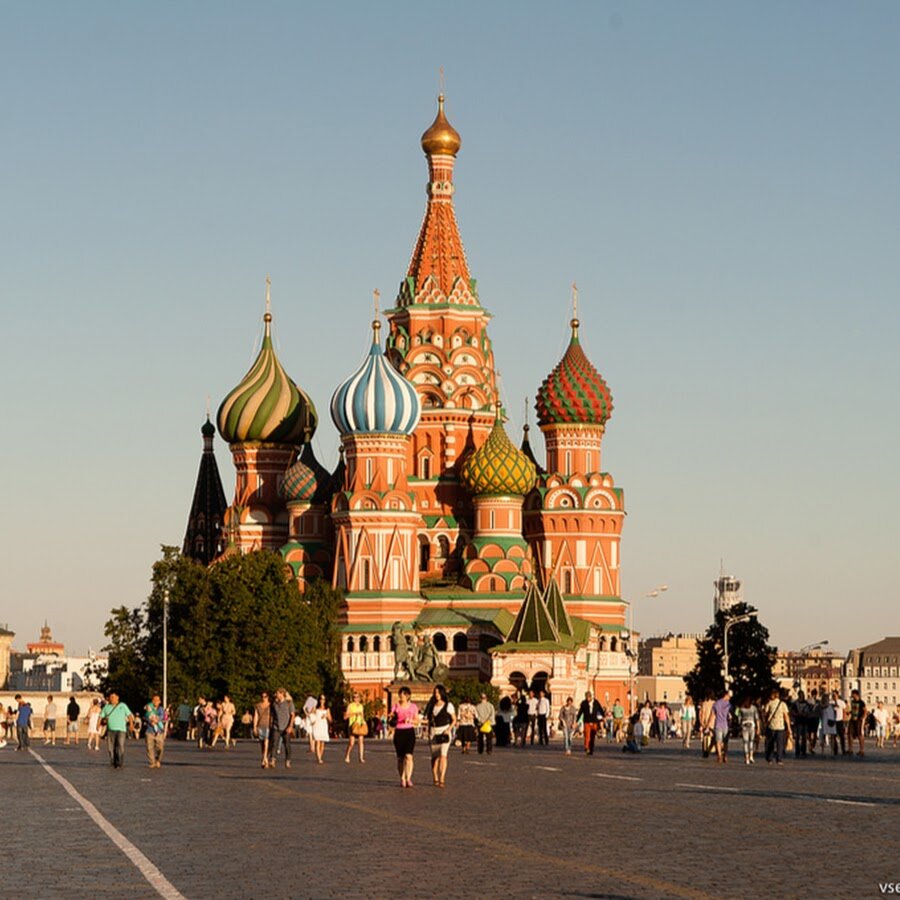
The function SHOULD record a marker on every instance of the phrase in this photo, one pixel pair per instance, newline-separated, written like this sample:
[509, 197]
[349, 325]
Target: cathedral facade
[434, 522]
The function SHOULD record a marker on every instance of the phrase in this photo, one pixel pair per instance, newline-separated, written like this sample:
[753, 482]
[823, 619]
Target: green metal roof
[501, 619]
[533, 624]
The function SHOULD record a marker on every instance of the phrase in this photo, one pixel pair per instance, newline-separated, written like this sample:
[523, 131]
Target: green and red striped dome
[267, 407]
[574, 392]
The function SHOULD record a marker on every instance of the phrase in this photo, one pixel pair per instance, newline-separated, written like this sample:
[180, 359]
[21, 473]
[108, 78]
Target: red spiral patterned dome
[574, 392]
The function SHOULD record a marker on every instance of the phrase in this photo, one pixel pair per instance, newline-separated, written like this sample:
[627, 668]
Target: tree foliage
[458, 689]
[750, 657]
[236, 628]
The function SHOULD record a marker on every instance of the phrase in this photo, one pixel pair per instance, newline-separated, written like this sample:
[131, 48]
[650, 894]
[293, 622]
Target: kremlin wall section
[433, 518]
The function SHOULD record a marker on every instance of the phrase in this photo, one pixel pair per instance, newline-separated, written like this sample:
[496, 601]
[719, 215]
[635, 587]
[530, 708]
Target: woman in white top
[688, 720]
[93, 721]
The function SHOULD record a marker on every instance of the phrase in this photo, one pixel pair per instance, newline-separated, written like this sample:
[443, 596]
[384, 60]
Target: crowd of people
[822, 723]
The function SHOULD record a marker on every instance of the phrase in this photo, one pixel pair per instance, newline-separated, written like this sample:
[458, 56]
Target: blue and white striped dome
[376, 399]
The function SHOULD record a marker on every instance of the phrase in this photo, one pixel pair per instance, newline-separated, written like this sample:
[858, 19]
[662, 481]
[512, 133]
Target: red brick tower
[573, 519]
[438, 340]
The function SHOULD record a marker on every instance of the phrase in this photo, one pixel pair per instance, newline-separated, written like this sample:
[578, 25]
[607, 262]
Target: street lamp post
[798, 677]
[728, 624]
[165, 684]
[631, 652]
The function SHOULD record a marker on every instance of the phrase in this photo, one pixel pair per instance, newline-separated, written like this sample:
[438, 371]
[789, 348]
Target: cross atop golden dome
[441, 139]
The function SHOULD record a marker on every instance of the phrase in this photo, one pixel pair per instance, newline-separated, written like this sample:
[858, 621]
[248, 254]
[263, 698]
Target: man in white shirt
[532, 714]
[840, 721]
[543, 714]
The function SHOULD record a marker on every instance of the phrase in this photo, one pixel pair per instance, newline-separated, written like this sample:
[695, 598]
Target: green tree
[750, 657]
[458, 689]
[127, 671]
[238, 627]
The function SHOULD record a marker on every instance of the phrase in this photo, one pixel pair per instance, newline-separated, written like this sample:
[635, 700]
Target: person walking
[155, 731]
[543, 715]
[662, 722]
[720, 719]
[486, 718]
[93, 725]
[465, 731]
[618, 714]
[590, 714]
[839, 706]
[262, 723]
[321, 720]
[881, 724]
[748, 716]
[118, 719]
[532, 716]
[282, 725]
[404, 718]
[567, 717]
[50, 721]
[441, 718]
[688, 721]
[227, 713]
[23, 724]
[357, 729]
[73, 714]
[778, 727]
[857, 724]
[520, 720]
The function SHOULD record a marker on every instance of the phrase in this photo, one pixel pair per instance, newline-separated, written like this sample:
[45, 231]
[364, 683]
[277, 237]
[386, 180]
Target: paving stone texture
[519, 823]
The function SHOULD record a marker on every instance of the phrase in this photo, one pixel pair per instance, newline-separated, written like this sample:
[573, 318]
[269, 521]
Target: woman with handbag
[357, 729]
[441, 717]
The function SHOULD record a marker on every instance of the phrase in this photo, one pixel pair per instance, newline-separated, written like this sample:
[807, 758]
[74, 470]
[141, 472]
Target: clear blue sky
[720, 179]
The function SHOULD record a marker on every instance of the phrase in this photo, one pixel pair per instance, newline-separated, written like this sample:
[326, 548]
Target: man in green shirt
[117, 717]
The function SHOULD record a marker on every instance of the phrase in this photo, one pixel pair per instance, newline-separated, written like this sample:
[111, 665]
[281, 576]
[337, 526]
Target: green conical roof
[556, 606]
[533, 623]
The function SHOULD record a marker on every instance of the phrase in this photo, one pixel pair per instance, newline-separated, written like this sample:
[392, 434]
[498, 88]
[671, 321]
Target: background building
[728, 592]
[671, 654]
[875, 671]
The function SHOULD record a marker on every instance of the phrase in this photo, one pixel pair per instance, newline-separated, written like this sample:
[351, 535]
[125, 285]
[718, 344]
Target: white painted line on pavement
[548, 768]
[157, 880]
[709, 787]
[617, 777]
[845, 802]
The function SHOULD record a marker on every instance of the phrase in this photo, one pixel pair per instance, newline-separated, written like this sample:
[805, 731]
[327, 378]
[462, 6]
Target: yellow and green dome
[498, 467]
[267, 407]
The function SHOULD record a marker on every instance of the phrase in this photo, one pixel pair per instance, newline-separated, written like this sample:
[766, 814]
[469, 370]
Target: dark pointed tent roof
[203, 539]
[556, 606]
[534, 623]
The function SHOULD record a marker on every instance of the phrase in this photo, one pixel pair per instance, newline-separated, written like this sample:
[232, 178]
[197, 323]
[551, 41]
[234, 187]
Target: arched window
[518, 680]
[567, 581]
[424, 553]
[363, 644]
[350, 646]
[440, 641]
[376, 644]
[613, 644]
[602, 642]
[460, 642]
[443, 546]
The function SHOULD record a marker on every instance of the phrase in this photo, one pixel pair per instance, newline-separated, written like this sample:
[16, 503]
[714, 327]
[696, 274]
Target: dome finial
[267, 318]
[441, 139]
[376, 322]
[574, 323]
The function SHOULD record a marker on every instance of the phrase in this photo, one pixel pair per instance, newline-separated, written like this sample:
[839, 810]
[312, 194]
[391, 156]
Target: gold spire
[574, 323]
[441, 139]
[267, 318]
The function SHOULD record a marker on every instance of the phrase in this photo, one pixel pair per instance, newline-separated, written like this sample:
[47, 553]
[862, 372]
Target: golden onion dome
[441, 138]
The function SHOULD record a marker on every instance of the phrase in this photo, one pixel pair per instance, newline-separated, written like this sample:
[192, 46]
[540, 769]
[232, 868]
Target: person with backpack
[778, 727]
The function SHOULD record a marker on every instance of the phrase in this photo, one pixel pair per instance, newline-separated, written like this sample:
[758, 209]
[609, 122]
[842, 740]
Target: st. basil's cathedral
[433, 518]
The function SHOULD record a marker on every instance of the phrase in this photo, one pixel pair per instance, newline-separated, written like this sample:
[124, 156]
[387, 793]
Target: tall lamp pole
[165, 684]
[632, 648]
[728, 625]
[798, 677]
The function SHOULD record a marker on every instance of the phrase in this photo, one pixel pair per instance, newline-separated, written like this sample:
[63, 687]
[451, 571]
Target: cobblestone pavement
[520, 823]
